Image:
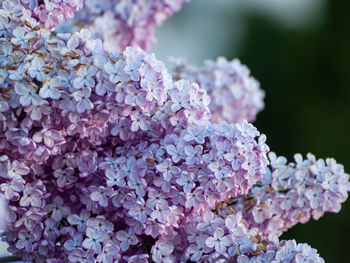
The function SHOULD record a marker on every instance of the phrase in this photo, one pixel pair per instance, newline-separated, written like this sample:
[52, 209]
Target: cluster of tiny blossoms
[285, 251]
[292, 193]
[235, 95]
[105, 158]
[122, 23]
[49, 13]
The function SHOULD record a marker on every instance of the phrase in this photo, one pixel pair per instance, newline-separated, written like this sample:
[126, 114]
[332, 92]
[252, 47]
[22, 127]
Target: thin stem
[9, 259]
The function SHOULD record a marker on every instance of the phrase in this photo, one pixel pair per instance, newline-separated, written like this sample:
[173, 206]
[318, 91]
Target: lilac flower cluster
[108, 149]
[105, 158]
[122, 23]
[292, 193]
[236, 95]
[285, 251]
[48, 13]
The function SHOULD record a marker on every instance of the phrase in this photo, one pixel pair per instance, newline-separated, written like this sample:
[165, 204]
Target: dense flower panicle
[122, 23]
[105, 151]
[235, 95]
[106, 158]
[48, 13]
[294, 192]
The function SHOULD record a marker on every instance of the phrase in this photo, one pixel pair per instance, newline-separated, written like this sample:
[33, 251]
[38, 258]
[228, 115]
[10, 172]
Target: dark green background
[306, 76]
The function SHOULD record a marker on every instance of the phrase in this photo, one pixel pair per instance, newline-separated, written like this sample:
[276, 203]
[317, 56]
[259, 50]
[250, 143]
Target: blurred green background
[300, 53]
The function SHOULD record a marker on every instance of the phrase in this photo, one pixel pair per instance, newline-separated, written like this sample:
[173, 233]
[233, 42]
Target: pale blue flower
[28, 95]
[35, 70]
[21, 37]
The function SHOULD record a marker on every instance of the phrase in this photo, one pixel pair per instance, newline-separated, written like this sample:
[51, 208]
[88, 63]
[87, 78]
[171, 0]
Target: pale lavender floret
[187, 181]
[36, 70]
[27, 95]
[139, 185]
[161, 249]
[25, 240]
[58, 209]
[100, 194]
[50, 88]
[126, 239]
[79, 220]
[21, 37]
[219, 241]
[140, 211]
[194, 154]
[94, 240]
[31, 197]
[167, 169]
[74, 243]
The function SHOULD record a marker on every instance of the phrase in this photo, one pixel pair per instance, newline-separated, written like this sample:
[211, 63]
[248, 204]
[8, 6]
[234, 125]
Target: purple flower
[139, 211]
[139, 122]
[161, 249]
[138, 184]
[26, 240]
[82, 97]
[114, 177]
[195, 199]
[176, 151]
[85, 77]
[194, 154]
[210, 223]
[105, 158]
[57, 209]
[74, 243]
[28, 95]
[79, 255]
[186, 180]
[100, 224]
[219, 168]
[35, 70]
[12, 188]
[196, 134]
[109, 254]
[79, 220]
[161, 212]
[116, 72]
[134, 97]
[197, 250]
[101, 194]
[65, 177]
[126, 239]
[94, 240]
[167, 169]
[50, 88]
[31, 196]
[21, 37]
[219, 241]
